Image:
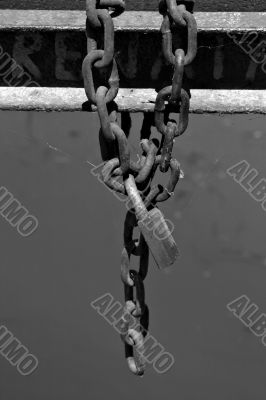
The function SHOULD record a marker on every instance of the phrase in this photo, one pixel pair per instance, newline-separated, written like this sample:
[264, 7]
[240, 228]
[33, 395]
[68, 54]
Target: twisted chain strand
[101, 82]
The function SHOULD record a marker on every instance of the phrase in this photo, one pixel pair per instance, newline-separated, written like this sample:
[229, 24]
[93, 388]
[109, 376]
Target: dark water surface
[49, 279]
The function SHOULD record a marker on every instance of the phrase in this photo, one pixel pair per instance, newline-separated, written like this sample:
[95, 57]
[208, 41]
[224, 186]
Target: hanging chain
[176, 14]
[101, 82]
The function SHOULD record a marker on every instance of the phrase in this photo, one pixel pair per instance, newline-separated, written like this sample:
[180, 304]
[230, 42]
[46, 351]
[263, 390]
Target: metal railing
[228, 75]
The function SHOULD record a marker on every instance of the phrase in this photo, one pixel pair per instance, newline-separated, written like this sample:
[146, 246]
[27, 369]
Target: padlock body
[159, 238]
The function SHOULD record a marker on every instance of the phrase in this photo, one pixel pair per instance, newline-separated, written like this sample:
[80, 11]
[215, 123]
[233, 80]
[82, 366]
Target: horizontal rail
[50, 47]
[201, 5]
[136, 21]
[132, 100]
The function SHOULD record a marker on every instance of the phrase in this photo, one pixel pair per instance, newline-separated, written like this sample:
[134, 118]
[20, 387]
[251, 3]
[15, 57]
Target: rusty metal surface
[147, 21]
[132, 100]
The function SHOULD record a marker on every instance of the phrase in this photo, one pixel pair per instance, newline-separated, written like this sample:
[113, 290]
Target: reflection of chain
[101, 81]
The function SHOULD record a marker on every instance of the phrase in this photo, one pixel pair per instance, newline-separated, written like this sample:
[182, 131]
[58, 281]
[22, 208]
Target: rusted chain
[135, 306]
[134, 178]
[175, 14]
[115, 151]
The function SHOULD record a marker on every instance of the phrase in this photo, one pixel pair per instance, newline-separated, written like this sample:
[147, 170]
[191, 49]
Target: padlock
[163, 246]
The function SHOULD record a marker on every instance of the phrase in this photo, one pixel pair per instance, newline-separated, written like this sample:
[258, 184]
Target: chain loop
[160, 108]
[149, 160]
[109, 180]
[168, 39]
[140, 293]
[136, 247]
[100, 98]
[168, 190]
[92, 13]
[174, 10]
[158, 193]
[178, 76]
[134, 341]
[123, 148]
[168, 142]
[113, 80]
[108, 25]
[132, 246]
[92, 7]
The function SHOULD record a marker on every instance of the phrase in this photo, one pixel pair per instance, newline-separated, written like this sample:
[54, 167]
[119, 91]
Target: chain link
[101, 82]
